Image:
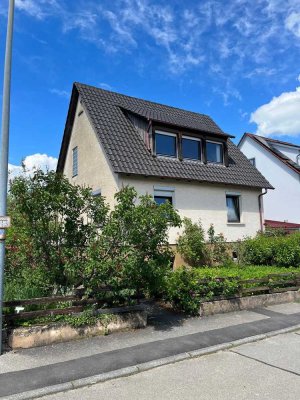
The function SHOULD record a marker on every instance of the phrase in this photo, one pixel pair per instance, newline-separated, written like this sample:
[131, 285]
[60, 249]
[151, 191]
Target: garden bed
[113, 320]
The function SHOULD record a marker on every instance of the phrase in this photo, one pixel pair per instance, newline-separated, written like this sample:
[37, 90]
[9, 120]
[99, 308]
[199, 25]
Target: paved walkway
[266, 370]
[168, 335]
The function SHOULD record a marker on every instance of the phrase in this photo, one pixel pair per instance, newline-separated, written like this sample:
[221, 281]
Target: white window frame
[239, 195]
[75, 161]
[164, 191]
[214, 162]
[167, 134]
[196, 140]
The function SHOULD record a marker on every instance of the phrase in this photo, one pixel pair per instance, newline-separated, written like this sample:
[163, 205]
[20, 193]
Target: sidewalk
[67, 365]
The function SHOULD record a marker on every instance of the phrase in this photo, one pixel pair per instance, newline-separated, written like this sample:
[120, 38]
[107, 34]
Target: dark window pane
[163, 199]
[165, 145]
[191, 149]
[233, 208]
[214, 152]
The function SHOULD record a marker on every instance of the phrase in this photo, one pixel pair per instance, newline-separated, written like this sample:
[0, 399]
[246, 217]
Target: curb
[123, 372]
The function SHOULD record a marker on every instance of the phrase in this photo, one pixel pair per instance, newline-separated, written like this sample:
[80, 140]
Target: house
[112, 140]
[279, 162]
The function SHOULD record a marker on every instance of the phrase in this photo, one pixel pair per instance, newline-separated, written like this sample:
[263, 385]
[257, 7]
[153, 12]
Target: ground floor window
[233, 208]
[163, 194]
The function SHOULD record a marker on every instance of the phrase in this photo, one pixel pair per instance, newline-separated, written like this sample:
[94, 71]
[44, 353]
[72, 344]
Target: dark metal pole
[4, 149]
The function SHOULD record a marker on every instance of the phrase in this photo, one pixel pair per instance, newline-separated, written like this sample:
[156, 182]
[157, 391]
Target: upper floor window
[166, 144]
[191, 148]
[252, 161]
[75, 161]
[214, 152]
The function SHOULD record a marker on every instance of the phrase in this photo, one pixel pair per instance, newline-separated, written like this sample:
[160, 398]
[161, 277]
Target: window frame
[252, 161]
[75, 161]
[164, 191]
[223, 155]
[200, 143]
[239, 207]
[166, 133]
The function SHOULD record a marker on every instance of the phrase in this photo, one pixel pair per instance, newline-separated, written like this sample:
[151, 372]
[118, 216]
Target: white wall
[93, 167]
[206, 202]
[283, 203]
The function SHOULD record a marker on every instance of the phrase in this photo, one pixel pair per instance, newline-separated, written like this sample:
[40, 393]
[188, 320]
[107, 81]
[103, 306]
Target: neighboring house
[112, 140]
[279, 162]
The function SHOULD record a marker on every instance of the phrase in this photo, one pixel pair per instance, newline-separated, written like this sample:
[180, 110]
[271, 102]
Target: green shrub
[185, 291]
[191, 244]
[132, 251]
[271, 250]
[217, 250]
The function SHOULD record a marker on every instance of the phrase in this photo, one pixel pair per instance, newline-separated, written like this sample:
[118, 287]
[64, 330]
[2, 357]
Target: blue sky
[237, 62]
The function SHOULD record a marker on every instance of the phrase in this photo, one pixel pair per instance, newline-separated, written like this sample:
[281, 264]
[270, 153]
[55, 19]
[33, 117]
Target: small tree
[132, 251]
[53, 222]
[218, 248]
[191, 244]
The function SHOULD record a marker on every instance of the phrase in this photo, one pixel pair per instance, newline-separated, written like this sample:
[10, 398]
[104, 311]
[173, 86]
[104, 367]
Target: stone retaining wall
[43, 335]
[247, 303]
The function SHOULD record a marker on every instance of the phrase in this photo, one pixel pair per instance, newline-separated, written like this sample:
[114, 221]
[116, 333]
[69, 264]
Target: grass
[244, 272]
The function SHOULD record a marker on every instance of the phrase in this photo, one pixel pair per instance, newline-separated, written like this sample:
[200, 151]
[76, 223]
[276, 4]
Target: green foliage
[271, 250]
[196, 251]
[185, 291]
[191, 244]
[132, 251]
[53, 222]
[218, 248]
[86, 318]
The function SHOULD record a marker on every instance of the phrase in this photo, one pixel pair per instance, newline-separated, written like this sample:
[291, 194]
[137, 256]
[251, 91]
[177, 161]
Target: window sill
[236, 224]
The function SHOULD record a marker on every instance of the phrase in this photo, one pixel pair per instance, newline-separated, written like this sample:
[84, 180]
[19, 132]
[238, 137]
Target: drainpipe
[297, 159]
[261, 209]
[148, 143]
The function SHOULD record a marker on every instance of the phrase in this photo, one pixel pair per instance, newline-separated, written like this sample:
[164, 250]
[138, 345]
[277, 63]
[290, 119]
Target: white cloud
[59, 92]
[280, 116]
[37, 8]
[292, 23]
[32, 163]
[105, 86]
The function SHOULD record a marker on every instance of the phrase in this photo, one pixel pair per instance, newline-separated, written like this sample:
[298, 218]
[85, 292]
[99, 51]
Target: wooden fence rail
[270, 284]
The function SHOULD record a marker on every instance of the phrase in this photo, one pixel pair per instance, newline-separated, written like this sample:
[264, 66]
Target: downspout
[148, 143]
[297, 159]
[260, 207]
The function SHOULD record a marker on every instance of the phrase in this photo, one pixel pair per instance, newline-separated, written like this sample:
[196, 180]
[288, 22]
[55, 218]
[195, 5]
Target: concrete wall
[206, 202]
[93, 167]
[281, 204]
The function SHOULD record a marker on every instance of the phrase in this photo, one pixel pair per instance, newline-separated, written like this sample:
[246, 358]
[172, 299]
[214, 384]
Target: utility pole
[4, 221]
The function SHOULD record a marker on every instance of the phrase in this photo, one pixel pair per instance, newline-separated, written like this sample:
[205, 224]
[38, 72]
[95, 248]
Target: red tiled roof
[281, 224]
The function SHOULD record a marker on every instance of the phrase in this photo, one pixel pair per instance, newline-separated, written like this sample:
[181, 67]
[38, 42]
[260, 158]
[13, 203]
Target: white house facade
[279, 162]
[112, 140]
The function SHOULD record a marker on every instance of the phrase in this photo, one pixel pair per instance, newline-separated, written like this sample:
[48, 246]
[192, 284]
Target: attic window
[75, 161]
[191, 148]
[166, 144]
[214, 152]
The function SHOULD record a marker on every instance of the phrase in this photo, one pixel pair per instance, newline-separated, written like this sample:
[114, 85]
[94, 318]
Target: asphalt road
[264, 370]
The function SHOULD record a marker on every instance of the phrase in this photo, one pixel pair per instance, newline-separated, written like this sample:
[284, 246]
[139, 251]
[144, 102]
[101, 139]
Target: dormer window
[191, 148]
[214, 152]
[166, 144]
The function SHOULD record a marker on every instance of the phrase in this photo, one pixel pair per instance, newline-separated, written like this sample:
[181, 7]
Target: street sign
[4, 222]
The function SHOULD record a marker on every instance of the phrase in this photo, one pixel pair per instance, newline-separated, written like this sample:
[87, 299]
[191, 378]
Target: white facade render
[170, 154]
[279, 162]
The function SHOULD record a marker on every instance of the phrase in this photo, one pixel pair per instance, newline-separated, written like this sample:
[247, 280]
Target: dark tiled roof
[270, 145]
[128, 154]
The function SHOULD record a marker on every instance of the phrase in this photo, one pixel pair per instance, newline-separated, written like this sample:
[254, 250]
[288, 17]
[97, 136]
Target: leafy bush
[62, 236]
[53, 222]
[132, 251]
[217, 249]
[271, 250]
[191, 244]
[185, 291]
